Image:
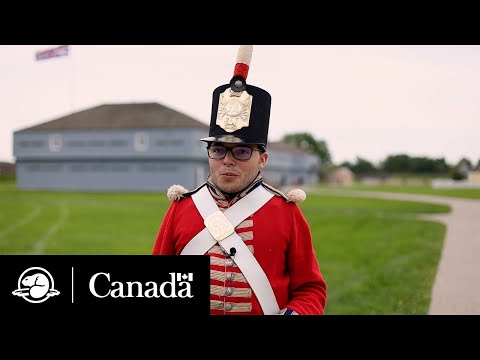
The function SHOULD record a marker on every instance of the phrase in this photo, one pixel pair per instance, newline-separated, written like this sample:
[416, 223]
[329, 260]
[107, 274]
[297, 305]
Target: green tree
[397, 164]
[361, 167]
[423, 165]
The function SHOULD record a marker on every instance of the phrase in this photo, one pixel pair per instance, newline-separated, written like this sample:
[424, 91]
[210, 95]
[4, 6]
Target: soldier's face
[232, 175]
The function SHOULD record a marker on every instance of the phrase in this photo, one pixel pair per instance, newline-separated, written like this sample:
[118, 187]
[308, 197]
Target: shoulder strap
[274, 190]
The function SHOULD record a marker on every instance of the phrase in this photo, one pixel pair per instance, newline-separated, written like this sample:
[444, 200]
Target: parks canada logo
[35, 285]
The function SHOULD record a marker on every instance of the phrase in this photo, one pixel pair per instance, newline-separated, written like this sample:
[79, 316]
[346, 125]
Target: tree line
[392, 165]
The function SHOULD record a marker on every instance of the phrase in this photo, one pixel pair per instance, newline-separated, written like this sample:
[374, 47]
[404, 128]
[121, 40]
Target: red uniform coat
[278, 236]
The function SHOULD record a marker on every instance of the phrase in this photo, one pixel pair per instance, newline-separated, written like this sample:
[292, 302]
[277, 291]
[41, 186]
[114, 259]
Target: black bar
[170, 283]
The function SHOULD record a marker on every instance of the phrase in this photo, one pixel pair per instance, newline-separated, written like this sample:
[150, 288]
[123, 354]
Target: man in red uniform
[261, 256]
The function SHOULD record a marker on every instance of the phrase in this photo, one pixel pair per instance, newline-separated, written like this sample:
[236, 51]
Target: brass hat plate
[234, 110]
[218, 225]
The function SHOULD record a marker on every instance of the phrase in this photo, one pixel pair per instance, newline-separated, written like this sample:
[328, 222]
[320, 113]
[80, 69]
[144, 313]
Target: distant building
[132, 147]
[342, 176]
[474, 177]
[288, 165]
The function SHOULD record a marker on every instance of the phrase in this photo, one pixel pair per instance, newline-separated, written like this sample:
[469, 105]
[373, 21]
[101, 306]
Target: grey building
[132, 147]
[289, 165]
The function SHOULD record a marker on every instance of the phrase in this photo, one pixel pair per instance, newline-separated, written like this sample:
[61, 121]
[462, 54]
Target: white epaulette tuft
[296, 195]
[176, 192]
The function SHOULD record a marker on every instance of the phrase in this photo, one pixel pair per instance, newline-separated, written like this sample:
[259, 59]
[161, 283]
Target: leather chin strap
[220, 228]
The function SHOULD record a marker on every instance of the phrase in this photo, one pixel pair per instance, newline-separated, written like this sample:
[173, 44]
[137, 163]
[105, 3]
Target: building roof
[121, 116]
[135, 116]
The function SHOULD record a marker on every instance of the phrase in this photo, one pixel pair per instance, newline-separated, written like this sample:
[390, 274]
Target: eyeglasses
[218, 152]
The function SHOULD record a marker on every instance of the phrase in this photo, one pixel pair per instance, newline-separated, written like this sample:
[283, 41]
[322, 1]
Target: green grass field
[375, 256]
[46, 222]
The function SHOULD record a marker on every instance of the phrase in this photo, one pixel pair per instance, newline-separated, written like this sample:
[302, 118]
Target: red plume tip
[241, 70]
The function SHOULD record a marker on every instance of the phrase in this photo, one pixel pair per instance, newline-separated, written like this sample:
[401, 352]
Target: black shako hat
[240, 112]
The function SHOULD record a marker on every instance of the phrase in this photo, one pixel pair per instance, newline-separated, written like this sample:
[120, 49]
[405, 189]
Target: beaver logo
[35, 285]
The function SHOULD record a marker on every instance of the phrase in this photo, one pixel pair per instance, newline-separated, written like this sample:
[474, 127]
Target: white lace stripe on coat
[222, 276]
[236, 292]
[245, 224]
[214, 260]
[246, 235]
[236, 307]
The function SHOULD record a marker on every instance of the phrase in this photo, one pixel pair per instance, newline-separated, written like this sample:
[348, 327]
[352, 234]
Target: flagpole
[72, 81]
[62, 50]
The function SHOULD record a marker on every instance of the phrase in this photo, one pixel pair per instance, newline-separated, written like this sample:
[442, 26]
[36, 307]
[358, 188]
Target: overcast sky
[364, 101]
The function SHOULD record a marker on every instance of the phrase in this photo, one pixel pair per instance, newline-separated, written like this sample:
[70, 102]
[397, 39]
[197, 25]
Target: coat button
[228, 307]
[228, 291]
